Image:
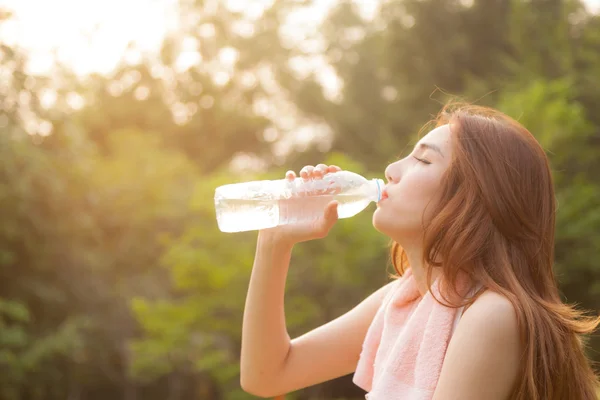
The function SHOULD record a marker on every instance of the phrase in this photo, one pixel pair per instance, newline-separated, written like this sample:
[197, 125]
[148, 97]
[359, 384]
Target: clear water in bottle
[266, 204]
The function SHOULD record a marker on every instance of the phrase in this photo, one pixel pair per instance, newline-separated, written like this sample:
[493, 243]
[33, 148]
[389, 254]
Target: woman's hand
[293, 233]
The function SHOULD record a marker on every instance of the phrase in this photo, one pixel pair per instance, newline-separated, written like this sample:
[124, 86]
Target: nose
[392, 172]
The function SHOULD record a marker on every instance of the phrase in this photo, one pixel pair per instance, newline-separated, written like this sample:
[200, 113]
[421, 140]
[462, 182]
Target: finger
[290, 175]
[304, 171]
[331, 215]
[333, 168]
[307, 172]
[320, 170]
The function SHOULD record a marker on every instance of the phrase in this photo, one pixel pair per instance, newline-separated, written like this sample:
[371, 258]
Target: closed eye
[421, 160]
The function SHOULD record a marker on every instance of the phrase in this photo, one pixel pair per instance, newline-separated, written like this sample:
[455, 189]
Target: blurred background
[119, 118]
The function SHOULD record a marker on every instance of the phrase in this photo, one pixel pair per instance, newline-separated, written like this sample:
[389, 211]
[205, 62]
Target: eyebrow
[432, 147]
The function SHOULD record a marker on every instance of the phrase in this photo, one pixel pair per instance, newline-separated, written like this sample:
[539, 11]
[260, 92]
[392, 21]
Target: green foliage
[550, 110]
[115, 281]
[202, 332]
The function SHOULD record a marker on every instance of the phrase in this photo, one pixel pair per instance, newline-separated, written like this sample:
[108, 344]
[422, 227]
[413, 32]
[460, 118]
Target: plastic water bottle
[265, 204]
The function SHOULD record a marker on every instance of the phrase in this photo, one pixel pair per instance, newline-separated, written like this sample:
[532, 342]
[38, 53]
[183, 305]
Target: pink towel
[405, 345]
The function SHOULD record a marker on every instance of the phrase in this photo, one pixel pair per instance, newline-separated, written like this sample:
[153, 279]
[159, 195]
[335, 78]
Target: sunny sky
[91, 35]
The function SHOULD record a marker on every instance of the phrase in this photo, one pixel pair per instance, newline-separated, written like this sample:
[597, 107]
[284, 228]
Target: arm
[271, 363]
[483, 357]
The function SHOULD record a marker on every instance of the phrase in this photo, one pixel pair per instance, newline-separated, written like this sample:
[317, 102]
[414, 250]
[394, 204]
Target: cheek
[415, 191]
[409, 203]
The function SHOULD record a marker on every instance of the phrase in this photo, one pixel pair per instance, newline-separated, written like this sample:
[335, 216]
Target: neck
[419, 269]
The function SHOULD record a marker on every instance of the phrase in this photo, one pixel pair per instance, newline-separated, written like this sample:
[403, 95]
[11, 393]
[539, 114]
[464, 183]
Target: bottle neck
[378, 185]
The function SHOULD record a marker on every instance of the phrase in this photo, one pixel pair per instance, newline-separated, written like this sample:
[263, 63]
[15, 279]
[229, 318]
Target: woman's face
[413, 184]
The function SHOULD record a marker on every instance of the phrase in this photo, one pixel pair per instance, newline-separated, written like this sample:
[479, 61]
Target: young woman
[471, 212]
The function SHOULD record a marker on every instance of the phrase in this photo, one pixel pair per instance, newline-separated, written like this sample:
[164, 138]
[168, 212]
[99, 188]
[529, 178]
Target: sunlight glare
[92, 36]
[47, 98]
[189, 55]
[75, 101]
[141, 93]
[251, 9]
[221, 78]
[228, 56]
[89, 36]
[206, 31]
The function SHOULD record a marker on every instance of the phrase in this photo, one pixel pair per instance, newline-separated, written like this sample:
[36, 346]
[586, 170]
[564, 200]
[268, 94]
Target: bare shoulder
[494, 318]
[492, 310]
[483, 357]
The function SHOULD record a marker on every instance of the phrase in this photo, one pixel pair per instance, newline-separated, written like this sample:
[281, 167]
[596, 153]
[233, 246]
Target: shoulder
[493, 319]
[491, 311]
[482, 360]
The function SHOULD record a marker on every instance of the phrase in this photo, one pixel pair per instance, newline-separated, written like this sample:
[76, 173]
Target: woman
[471, 212]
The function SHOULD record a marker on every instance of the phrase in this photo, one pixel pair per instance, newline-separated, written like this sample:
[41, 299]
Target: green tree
[201, 330]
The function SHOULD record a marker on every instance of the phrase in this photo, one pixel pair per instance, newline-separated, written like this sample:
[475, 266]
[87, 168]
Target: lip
[384, 194]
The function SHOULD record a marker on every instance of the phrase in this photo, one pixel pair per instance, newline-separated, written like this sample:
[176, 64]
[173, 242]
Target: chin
[384, 224]
[389, 226]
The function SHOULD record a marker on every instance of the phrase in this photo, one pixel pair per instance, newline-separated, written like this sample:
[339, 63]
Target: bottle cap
[380, 184]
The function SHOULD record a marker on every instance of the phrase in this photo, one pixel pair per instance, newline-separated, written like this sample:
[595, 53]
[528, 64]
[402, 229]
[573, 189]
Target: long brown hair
[495, 224]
